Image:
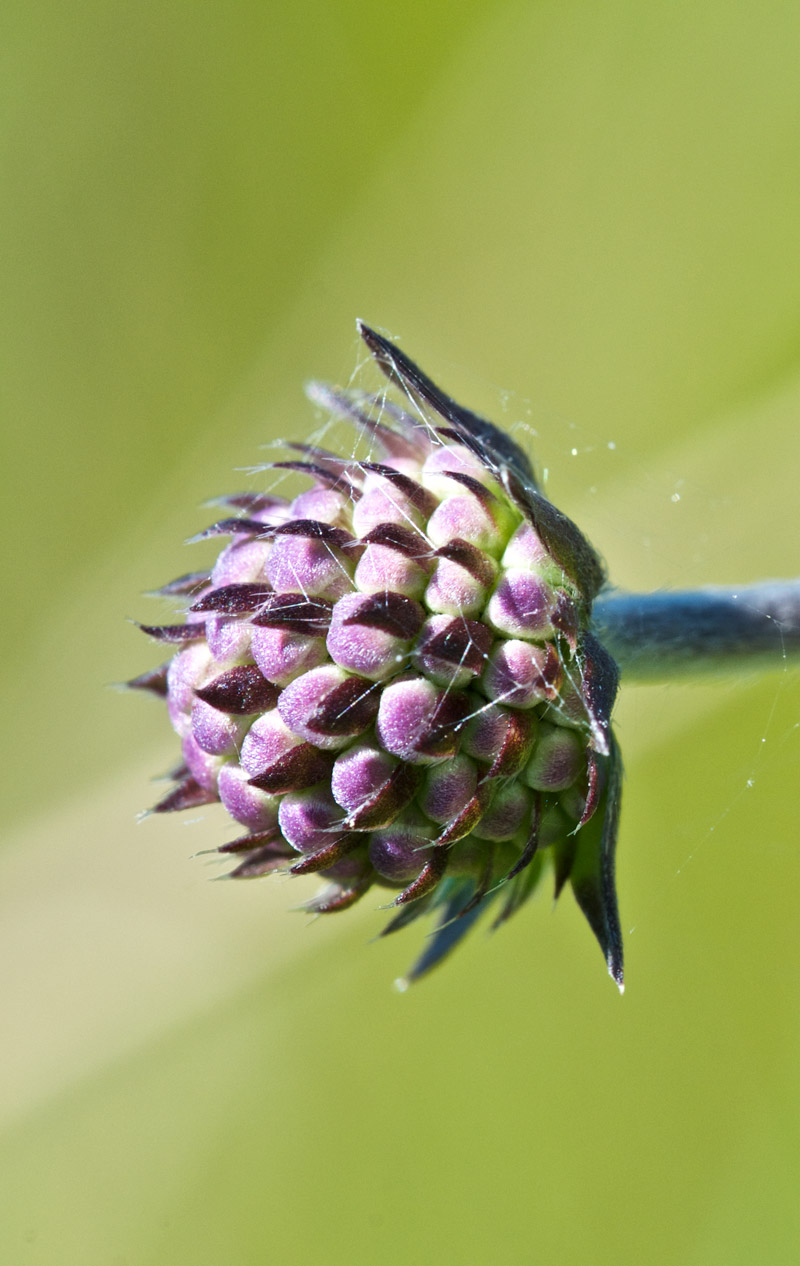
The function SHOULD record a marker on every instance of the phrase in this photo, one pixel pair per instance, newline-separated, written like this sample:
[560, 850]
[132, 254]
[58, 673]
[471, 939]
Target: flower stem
[713, 630]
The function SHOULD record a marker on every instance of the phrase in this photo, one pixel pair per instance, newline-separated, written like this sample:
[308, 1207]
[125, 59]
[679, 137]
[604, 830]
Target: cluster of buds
[391, 681]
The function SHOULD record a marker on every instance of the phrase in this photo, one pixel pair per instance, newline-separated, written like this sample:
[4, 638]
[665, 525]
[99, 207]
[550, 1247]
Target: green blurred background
[583, 220]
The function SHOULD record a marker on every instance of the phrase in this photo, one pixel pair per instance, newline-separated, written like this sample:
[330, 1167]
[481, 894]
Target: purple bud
[243, 562]
[177, 634]
[463, 518]
[227, 637]
[568, 709]
[376, 698]
[267, 741]
[471, 513]
[299, 767]
[394, 560]
[255, 503]
[253, 808]
[233, 599]
[510, 809]
[187, 794]
[462, 579]
[399, 852]
[310, 820]
[192, 582]
[311, 565]
[448, 459]
[520, 674]
[261, 861]
[203, 766]
[451, 650]
[485, 732]
[154, 681]
[188, 670]
[522, 606]
[327, 707]
[448, 788]
[525, 549]
[359, 774]
[370, 634]
[581, 799]
[419, 723]
[322, 504]
[390, 497]
[558, 758]
[282, 654]
[216, 732]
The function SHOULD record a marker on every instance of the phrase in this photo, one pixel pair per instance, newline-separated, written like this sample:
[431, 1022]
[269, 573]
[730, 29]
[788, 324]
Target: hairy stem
[713, 630]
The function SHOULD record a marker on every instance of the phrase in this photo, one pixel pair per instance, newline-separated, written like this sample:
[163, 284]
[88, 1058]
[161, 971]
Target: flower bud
[389, 678]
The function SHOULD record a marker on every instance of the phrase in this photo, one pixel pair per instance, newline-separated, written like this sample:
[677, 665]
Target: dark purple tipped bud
[558, 759]
[316, 565]
[522, 675]
[451, 459]
[486, 731]
[509, 811]
[282, 655]
[554, 827]
[204, 766]
[371, 634]
[301, 766]
[268, 740]
[339, 896]
[448, 788]
[328, 707]
[255, 504]
[359, 774]
[516, 746]
[580, 800]
[418, 722]
[230, 527]
[401, 851]
[395, 560]
[391, 497]
[178, 634]
[471, 514]
[310, 820]
[191, 583]
[233, 599]
[451, 650]
[262, 861]
[228, 638]
[522, 606]
[371, 787]
[216, 732]
[462, 579]
[254, 808]
[188, 670]
[526, 549]
[323, 504]
[243, 562]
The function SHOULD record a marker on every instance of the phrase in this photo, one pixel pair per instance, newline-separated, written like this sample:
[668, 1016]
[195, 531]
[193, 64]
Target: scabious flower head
[390, 681]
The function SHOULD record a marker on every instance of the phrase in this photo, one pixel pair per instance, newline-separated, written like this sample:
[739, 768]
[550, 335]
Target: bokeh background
[582, 219]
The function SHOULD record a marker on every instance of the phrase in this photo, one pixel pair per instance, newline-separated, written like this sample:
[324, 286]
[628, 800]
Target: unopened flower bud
[390, 679]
